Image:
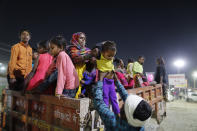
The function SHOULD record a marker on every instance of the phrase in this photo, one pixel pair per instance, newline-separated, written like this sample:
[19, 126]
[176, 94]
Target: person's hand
[58, 96]
[95, 52]
[81, 95]
[12, 81]
[115, 77]
[102, 75]
[141, 74]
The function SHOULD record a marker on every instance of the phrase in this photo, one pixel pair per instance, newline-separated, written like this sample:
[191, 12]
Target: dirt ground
[181, 116]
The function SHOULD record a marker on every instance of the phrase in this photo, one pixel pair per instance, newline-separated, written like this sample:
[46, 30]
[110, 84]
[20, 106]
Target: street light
[195, 76]
[2, 68]
[179, 64]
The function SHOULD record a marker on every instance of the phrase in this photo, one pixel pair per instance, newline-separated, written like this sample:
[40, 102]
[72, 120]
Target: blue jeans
[69, 93]
[48, 81]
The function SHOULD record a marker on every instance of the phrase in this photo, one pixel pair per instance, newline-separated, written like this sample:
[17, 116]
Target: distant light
[195, 74]
[179, 63]
[1, 63]
[2, 68]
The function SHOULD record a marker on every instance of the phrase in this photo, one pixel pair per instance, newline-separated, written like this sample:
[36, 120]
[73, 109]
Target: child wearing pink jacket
[67, 80]
[41, 66]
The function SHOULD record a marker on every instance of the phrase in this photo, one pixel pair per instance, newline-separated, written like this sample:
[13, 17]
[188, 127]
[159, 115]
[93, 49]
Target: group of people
[73, 70]
[132, 75]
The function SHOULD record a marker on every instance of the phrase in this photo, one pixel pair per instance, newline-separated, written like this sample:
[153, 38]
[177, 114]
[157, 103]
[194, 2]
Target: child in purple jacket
[89, 77]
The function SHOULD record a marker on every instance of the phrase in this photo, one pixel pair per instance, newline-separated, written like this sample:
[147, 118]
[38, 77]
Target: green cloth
[130, 69]
[137, 68]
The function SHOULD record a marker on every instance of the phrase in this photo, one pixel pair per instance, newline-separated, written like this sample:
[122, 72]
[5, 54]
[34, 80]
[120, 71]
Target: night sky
[144, 28]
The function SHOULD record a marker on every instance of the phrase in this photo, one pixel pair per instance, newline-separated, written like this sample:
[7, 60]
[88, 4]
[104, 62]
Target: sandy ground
[181, 116]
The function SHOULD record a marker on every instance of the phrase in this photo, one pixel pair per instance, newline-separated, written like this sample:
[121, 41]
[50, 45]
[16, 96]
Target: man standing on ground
[20, 64]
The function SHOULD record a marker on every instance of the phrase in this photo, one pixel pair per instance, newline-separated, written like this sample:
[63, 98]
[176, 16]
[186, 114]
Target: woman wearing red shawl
[79, 55]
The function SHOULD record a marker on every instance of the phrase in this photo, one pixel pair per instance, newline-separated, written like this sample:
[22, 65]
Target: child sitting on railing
[41, 66]
[120, 72]
[67, 80]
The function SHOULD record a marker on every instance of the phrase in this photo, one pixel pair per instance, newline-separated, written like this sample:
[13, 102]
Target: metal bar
[6, 50]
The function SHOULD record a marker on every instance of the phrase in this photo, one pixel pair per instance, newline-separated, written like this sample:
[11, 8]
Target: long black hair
[44, 44]
[59, 40]
[160, 61]
[131, 60]
[108, 45]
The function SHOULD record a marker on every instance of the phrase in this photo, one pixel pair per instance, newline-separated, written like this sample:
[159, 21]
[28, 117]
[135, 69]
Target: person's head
[119, 63]
[137, 110]
[24, 35]
[35, 53]
[91, 64]
[131, 60]
[160, 61]
[57, 44]
[108, 50]
[43, 46]
[79, 38]
[141, 60]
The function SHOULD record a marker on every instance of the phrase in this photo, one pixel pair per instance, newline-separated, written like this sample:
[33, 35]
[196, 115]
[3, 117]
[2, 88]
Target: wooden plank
[141, 89]
[49, 112]
[10, 116]
[151, 99]
[65, 102]
[33, 121]
[68, 113]
[26, 113]
[156, 100]
[84, 112]
[4, 99]
[14, 93]
[71, 111]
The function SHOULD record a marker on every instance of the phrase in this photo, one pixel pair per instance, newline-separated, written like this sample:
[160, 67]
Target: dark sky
[145, 28]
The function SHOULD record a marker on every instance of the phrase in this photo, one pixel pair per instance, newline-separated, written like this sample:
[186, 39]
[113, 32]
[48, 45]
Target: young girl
[34, 56]
[106, 68]
[67, 80]
[119, 68]
[130, 72]
[79, 53]
[41, 65]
